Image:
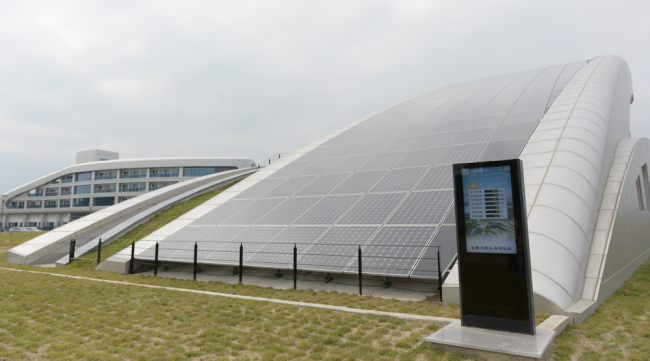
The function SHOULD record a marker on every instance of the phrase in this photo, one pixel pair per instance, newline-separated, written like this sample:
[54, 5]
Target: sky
[257, 78]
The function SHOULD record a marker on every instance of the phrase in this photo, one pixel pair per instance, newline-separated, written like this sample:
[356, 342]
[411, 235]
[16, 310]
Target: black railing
[370, 260]
[270, 160]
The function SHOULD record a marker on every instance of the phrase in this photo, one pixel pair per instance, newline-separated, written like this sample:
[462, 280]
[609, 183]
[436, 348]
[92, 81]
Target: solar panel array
[384, 184]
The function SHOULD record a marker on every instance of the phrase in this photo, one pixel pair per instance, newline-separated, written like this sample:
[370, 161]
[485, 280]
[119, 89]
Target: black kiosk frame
[493, 255]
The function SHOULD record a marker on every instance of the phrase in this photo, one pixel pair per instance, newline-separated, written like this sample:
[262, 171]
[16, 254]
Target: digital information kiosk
[493, 258]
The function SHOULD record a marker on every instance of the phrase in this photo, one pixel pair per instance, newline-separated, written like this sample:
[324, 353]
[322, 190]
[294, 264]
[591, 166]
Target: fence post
[295, 266]
[360, 273]
[132, 257]
[99, 251]
[155, 262]
[439, 277]
[71, 251]
[241, 261]
[196, 253]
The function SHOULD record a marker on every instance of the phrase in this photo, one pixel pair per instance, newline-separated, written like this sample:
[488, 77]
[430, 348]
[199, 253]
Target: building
[99, 179]
[383, 184]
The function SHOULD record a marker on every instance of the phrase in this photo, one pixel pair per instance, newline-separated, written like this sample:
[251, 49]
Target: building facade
[98, 180]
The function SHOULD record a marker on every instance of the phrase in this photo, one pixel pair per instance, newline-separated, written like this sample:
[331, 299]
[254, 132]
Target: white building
[382, 183]
[100, 179]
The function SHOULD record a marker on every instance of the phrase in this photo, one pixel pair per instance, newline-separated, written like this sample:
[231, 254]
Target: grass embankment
[618, 330]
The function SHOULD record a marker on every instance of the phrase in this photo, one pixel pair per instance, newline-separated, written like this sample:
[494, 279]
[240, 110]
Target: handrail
[270, 160]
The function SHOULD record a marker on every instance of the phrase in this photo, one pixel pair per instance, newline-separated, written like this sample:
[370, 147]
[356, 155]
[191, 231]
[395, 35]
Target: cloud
[255, 78]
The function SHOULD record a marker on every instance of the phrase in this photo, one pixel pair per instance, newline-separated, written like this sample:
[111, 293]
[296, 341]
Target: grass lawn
[45, 317]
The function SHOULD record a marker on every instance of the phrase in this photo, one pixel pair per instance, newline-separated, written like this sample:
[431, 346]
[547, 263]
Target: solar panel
[427, 265]
[384, 160]
[385, 183]
[336, 248]
[291, 169]
[438, 177]
[289, 187]
[372, 209]
[350, 164]
[360, 182]
[323, 184]
[462, 153]
[280, 254]
[421, 157]
[223, 211]
[288, 211]
[258, 189]
[402, 179]
[394, 250]
[427, 207]
[328, 210]
[254, 211]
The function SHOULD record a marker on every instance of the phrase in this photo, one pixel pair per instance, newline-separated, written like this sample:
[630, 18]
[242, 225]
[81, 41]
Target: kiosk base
[493, 345]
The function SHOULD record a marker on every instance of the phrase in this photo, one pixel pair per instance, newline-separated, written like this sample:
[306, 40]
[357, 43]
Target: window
[158, 185]
[81, 202]
[164, 172]
[51, 192]
[646, 184]
[82, 189]
[197, 171]
[16, 205]
[84, 177]
[66, 191]
[64, 203]
[104, 188]
[66, 178]
[639, 193]
[133, 173]
[103, 201]
[132, 187]
[34, 204]
[122, 199]
[35, 193]
[105, 174]
[75, 216]
[56, 181]
[50, 204]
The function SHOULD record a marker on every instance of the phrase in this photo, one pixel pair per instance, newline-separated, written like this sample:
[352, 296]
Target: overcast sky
[245, 78]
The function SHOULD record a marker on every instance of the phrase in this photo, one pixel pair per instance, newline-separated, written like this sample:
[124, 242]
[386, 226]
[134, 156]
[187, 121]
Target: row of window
[99, 188]
[139, 173]
[66, 203]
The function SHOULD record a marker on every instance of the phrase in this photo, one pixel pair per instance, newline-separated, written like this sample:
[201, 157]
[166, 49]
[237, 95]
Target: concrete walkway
[443, 321]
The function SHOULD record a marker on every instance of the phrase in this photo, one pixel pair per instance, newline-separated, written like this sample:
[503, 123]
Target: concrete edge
[442, 321]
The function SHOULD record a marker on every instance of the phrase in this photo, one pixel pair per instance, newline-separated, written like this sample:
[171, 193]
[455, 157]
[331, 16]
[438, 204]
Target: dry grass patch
[52, 318]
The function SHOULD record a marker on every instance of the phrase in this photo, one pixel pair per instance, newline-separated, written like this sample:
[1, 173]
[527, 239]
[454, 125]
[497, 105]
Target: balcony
[138, 189]
[108, 190]
[104, 177]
